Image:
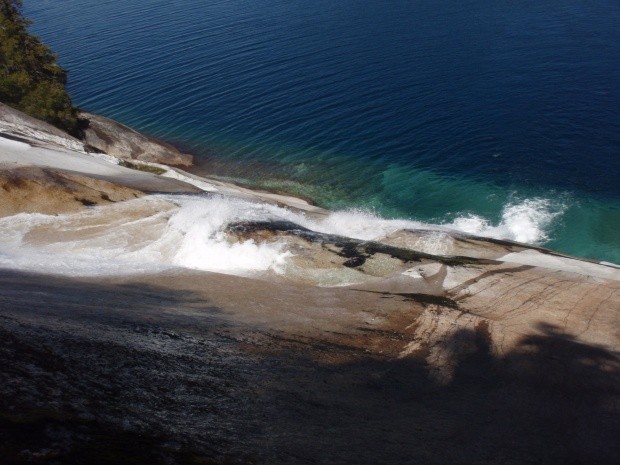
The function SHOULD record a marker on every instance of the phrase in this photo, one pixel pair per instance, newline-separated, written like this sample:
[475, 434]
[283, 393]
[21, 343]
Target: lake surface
[495, 117]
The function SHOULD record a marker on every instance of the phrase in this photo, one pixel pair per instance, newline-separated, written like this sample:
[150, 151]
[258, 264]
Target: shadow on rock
[551, 400]
[102, 374]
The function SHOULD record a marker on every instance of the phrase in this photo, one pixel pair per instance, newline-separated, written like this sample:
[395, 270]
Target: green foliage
[30, 78]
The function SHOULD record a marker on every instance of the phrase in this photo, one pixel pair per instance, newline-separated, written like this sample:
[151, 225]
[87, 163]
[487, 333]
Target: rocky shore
[380, 351]
[113, 138]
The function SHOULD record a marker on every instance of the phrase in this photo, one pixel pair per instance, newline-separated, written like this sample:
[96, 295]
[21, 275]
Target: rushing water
[489, 115]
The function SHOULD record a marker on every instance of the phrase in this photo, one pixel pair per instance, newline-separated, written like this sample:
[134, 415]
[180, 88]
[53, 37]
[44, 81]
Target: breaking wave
[166, 231]
[528, 221]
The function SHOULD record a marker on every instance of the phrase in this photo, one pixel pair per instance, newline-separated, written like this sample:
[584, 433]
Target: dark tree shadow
[553, 399]
[101, 374]
[553, 396]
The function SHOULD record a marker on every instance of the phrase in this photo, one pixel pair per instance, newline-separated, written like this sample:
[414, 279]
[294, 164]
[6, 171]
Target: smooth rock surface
[14, 154]
[18, 125]
[42, 190]
[123, 142]
[353, 352]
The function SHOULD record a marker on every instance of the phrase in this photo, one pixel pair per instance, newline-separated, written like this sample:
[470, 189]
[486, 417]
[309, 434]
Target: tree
[30, 78]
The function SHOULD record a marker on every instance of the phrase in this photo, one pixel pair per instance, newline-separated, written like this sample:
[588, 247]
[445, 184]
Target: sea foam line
[190, 232]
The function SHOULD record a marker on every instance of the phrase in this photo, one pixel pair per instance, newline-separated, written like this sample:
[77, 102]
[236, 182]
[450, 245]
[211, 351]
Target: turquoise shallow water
[496, 116]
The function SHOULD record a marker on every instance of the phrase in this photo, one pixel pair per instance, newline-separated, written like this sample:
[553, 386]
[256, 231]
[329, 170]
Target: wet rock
[18, 125]
[118, 140]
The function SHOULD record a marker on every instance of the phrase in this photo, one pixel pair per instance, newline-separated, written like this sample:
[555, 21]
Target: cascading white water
[167, 231]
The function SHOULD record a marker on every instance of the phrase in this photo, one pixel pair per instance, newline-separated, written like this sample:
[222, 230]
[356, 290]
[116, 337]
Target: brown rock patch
[41, 190]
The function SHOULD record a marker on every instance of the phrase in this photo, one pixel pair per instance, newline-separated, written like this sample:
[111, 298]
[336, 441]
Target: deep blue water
[428, 109]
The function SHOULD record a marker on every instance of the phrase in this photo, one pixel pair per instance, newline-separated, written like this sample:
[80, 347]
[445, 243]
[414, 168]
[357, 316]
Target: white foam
[201, 224]
[358, 224]
[158, 232]
[110, 240]
[527, 221]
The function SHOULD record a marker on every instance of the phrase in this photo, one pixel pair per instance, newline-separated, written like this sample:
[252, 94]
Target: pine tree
[30, 78]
